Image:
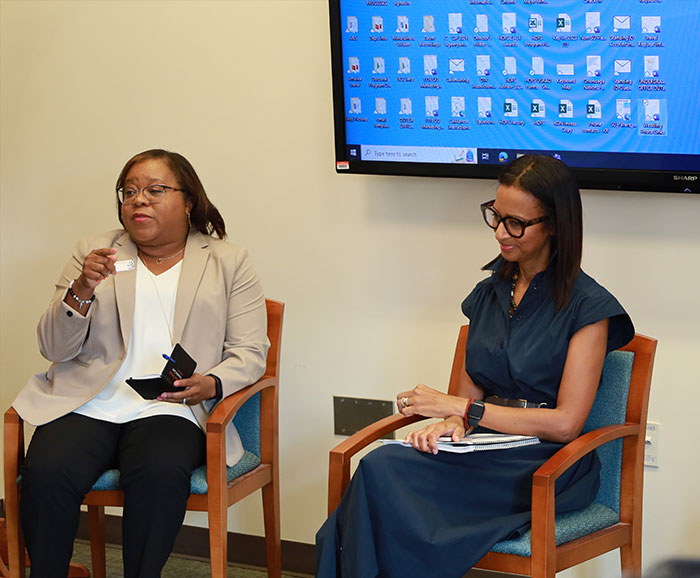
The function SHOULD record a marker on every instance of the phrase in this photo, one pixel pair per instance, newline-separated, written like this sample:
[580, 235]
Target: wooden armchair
[616, 425]
[214, 487]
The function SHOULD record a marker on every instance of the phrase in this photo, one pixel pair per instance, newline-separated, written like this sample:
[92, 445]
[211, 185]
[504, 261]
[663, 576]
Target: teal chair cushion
[247, 422]
[609, 407]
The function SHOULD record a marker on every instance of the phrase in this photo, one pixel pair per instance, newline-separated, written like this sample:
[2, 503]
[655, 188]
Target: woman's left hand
[196, 389]
[429, 402]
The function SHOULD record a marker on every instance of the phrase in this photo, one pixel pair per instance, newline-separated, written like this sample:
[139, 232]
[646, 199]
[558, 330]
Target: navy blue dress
[409, 513]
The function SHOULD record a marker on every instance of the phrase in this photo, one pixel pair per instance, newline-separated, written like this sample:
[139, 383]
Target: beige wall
[372, 269]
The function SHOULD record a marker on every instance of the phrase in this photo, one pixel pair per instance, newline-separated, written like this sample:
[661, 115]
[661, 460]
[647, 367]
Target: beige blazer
[220, 319]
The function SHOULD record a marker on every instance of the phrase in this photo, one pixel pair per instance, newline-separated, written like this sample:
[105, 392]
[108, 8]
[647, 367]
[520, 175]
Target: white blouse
[151, 337]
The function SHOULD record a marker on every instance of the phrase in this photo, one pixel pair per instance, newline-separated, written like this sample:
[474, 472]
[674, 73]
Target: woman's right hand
[98, 265]
[426, 439]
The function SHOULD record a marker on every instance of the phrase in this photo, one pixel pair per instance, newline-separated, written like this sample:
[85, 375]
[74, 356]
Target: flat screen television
[457, 88]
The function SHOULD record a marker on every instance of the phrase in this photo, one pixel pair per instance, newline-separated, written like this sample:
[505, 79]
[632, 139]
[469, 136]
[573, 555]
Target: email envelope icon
[623, 66]
[456, 65]
[622, 22]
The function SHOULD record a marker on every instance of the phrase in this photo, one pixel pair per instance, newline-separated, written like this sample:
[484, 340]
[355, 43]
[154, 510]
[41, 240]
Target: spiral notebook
[478, 442]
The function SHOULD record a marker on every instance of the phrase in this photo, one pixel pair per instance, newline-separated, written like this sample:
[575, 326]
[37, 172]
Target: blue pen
[166, 356]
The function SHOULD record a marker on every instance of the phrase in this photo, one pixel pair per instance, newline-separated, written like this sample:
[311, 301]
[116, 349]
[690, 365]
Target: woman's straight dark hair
[204, 216]
[553, 184]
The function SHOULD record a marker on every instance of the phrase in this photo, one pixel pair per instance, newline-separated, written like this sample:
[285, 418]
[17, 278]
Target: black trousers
[156, 457]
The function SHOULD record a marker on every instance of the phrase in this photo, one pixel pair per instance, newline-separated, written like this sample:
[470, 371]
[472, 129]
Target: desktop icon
[593, 65]
[454, 21]
[563, 22]
[566, 108]
[537, 108]
[428, 24]
[510, 108]
[510, 66]
[377, 24]
[483, 104]
[651, 24]
[352, 25]
[406, 107]
[483, 64]
[457, 106]
[402, 24]
[503, 157]
[456, 65]
[378, 65]
[565, 69]
[353, 65]
[651, 66]
[508, 21]
[622, 66]
[355, 105]
[432, 106]
[482, 23]
[537, 66]
[430, 64]
[379, 105]
[652, 110]
[593, 109]
[592, 22]
[621, 23]
[535, 23]
[623, 109]
[404, 65]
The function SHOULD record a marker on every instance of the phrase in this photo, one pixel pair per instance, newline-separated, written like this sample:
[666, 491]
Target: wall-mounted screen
[459, 87]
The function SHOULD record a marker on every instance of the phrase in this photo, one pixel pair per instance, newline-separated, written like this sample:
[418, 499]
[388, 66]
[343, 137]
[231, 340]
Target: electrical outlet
[651, 445]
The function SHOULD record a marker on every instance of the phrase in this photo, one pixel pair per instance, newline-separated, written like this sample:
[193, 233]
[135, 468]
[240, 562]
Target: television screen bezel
[588, 178]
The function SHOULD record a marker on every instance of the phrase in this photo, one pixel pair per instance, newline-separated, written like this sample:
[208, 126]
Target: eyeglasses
[152, 193]
[514, 226]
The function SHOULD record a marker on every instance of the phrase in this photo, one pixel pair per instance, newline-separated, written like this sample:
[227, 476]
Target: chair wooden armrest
[228, 407]
[13, 459]
[544, 480]
[340, 455]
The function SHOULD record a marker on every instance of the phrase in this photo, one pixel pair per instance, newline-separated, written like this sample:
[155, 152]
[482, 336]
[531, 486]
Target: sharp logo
[685, 177]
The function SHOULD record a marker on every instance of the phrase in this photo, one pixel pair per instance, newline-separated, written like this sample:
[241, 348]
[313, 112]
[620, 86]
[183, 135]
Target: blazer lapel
[125, 287]
[193, 264]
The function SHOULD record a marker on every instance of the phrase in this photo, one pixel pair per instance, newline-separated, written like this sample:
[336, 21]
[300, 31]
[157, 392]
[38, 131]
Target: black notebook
[179, 366]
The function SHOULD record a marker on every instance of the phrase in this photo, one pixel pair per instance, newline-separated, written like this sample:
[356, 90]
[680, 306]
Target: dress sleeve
[472, 302]
[596, 304]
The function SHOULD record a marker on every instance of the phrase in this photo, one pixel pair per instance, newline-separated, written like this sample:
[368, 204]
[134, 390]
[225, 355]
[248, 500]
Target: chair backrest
[247, 419]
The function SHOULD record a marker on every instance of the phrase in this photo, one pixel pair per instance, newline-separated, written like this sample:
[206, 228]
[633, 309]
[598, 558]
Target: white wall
[372, 269]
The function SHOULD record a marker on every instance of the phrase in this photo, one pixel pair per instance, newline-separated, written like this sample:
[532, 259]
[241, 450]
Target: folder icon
[621, 22]
[623, 66]
[565, 69]
[456, 65]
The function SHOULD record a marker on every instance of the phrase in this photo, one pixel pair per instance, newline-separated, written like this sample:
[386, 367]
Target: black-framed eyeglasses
[514, 226]
[152, 193]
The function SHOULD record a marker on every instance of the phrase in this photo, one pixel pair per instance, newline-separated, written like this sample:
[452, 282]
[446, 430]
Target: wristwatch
[475, 413]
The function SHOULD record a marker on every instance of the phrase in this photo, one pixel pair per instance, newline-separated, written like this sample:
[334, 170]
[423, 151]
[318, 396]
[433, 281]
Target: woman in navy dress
[539, 330]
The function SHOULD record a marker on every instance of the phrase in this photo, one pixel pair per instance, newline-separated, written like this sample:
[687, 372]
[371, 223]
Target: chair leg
[16, 556]
[271, 512]
[631, 560]
[218, 545]
[96, 524]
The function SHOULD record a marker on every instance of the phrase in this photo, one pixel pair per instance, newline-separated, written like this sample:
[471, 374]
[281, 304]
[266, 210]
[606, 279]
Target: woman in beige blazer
[124, 299]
